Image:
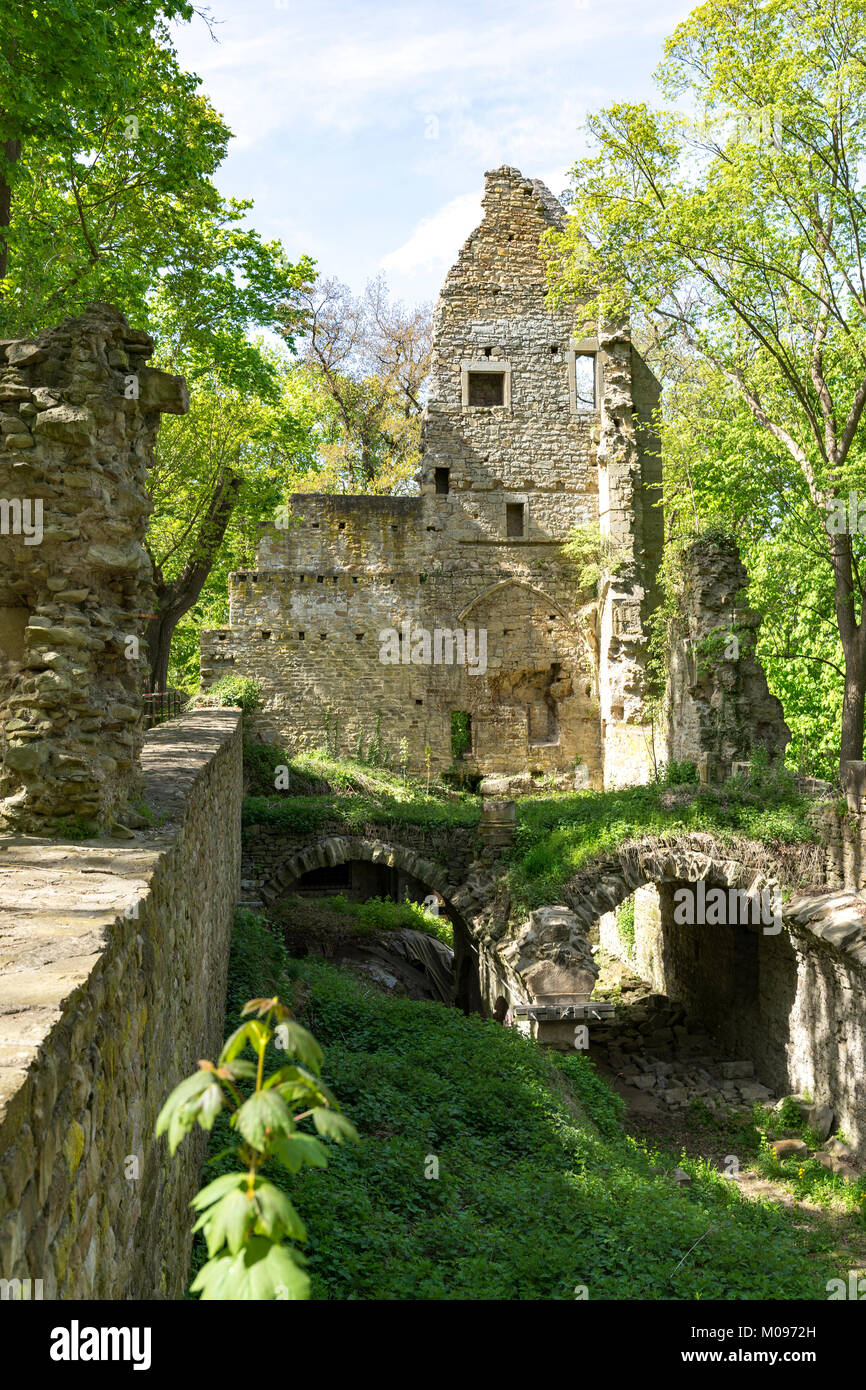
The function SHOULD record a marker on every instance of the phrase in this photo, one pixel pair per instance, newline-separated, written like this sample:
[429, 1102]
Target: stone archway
[546, 954]
[343, 849]
[334, 850]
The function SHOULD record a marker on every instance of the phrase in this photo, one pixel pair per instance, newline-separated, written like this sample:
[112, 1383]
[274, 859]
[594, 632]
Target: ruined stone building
[383, 617]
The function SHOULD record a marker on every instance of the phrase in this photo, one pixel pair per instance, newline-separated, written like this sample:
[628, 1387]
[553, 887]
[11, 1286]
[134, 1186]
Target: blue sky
[363, 130]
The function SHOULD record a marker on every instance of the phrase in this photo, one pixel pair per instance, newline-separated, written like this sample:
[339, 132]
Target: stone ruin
[532, 428]
[719, 708]
[79, 412]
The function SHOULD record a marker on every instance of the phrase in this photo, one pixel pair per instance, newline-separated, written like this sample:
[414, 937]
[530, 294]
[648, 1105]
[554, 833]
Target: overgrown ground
[539, 1193]
[557, 834]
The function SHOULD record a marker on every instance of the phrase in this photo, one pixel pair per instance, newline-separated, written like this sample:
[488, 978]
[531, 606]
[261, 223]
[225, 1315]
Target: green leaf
[235, 1044]
[277, 1216]
[261, 1270]
[262, 1117]
[226, 1182]
[300, 1042]
[299, 1149]
[229, 1221]
[198, 1099]
[332, 1125]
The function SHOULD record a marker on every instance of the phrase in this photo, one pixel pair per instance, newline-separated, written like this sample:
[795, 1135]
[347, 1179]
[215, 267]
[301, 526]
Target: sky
[362, 129]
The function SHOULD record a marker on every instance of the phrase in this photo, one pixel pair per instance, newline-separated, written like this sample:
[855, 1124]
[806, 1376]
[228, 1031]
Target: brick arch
[554, 940]
[342, 849]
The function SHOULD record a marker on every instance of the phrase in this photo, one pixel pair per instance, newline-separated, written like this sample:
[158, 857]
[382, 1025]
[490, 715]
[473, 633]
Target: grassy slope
[538, 1190]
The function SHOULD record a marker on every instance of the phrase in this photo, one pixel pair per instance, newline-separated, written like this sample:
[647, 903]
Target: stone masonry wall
[793, 1001]
[113, 987]
[79, 411]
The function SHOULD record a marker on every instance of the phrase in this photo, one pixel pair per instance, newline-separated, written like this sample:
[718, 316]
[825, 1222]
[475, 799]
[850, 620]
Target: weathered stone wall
[307, 622]
[113, 987]
[720, 709]
[79, 411]
[629, 470]
[267, 849]
[792, 1000]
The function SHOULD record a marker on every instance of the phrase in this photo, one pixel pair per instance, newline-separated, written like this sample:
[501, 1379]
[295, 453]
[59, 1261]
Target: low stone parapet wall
[114, 960]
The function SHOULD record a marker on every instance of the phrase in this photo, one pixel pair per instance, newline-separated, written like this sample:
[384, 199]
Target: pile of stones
[651, 1049]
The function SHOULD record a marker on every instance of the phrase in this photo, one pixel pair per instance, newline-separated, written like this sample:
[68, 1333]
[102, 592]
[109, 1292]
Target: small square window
[515, 518]
[486, 388]
[442, 478]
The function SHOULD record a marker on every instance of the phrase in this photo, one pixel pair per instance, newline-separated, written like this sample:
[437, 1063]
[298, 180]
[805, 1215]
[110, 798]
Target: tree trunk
[177, 597]
[853, 700]
[11, 150]
[853, 637]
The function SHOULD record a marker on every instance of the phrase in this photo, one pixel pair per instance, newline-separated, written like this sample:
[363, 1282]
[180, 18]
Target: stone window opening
[322, 636]
[583, 367]
[419, 702]
[265, 636]
[515, 520]
[442, 479]
[301, 636]
[341, 526]
[461, 734]
[359, 636]
[485, 384]
[315, 525]
[354, 578]
[584, 380]
[320, 579]
[486, 388]
[488, 352]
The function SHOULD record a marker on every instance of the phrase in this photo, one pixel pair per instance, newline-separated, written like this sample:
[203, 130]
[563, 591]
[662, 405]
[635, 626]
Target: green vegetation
[376, 915]
[461, 736]
[625, 921]
[720, 225]
[237, 690]
[250, 1226]
[538, 1191]
[320, 789]
[558, 835]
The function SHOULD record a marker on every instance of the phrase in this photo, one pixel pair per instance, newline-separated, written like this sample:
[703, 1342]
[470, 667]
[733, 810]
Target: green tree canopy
[739, 230]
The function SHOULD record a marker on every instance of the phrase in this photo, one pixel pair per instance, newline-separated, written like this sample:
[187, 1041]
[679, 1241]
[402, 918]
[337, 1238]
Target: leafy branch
[250, 1226]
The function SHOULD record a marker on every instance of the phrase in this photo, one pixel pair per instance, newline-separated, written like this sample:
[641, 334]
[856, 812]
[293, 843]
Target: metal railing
[160, 705]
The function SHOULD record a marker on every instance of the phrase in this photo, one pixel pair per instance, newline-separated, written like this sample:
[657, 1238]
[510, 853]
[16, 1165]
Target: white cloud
[344, 67]
[435, 241]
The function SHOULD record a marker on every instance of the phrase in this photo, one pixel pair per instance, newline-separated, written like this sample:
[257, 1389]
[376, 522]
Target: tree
[365, 360]
[112, 205]
[742, 234]
[218, 473]
[722, 470]
[116, 207]
[57, 59]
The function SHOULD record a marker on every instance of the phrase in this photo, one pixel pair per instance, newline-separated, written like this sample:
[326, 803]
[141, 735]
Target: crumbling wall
[629, 490]
[720, 709]
[79, 412]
